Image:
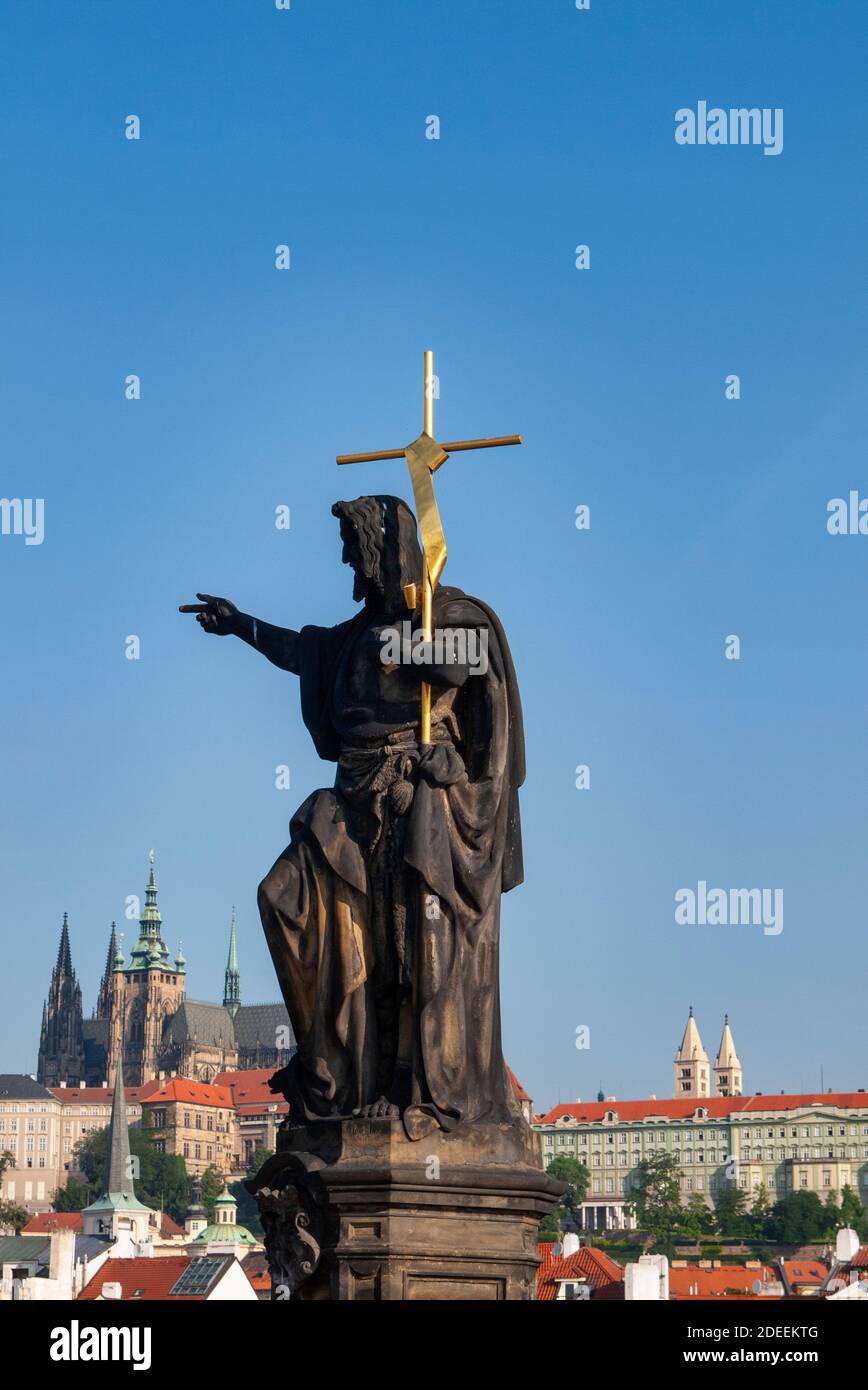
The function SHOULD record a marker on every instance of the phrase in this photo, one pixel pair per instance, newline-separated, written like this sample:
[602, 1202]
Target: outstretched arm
[220, 617]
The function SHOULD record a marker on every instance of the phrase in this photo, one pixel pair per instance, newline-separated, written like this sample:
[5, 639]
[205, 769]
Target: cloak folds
[436, 868]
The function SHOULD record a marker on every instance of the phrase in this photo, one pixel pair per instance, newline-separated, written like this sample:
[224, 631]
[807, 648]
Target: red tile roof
[718, 1107]
[250, 1089]
[154, 1276]
[587, 1266]
[860, 1259]
[255, 1267]
[725, 1282]
[169, 1227]
[94, 1095]
[194, 1092]
[518, 1089]
[798, 1272]
[44, 1222]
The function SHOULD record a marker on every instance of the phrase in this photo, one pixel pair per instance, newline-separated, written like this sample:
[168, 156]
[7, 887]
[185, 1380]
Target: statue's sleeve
[279, 644]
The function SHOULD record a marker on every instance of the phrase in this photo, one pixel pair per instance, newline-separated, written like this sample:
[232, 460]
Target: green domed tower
[146, 994]
[224, 1231]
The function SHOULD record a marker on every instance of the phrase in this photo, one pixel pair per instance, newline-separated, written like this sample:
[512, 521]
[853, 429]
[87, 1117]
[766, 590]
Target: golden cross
[424, 456]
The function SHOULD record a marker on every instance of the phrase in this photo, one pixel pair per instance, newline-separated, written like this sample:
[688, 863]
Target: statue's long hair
[384, 529]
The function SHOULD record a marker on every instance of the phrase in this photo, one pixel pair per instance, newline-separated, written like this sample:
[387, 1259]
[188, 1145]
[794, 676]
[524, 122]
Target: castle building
[783, 1143]
[144, 1019]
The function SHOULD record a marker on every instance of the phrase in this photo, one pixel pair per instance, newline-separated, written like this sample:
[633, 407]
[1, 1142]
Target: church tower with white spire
[727, 1067]
[692, 1071]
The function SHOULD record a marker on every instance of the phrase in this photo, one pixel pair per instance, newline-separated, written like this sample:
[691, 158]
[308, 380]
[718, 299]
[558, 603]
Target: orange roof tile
[251, 1088]
[93, 1095]
[587, 1265]
[724, 1282]
[518, 1089]
[718, 1107]
[142, 1280]
[803, 1272]
[44, 1222]
[195, 1092]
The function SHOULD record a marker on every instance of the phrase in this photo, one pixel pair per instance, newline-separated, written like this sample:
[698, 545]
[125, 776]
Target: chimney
[61, 1262]
[112, 1289]
[846, 1245]
[63, 1085]
[571, 1243]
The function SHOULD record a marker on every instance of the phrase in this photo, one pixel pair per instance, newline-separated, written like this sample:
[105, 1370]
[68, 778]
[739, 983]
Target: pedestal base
[353, 1209]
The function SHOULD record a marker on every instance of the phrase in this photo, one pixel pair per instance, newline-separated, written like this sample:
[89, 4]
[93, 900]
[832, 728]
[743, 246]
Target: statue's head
[381, 545]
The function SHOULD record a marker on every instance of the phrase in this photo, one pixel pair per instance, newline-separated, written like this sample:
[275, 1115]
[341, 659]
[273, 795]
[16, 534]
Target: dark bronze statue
[382, 915]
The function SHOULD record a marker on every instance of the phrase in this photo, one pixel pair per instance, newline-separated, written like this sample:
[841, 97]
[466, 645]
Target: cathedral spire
[150, 951]
[232, 978]
[61, 1042]
[104, 999]
[64, 954]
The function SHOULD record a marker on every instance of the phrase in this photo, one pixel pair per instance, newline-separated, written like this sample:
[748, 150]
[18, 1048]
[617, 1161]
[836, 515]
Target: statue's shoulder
[454, 608]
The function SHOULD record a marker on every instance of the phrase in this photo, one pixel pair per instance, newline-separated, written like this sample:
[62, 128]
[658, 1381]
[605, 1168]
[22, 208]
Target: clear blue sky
[708, 516]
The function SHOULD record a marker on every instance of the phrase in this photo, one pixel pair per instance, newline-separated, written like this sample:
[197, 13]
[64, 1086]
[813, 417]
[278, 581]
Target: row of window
[659, 1137]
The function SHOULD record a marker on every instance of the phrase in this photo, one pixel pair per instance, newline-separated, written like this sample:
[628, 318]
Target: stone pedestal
[352, 1209]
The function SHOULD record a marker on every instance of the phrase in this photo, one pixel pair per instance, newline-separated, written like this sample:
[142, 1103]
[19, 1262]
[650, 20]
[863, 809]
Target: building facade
[30, 1132]
[788, 1143]
[196, 1122]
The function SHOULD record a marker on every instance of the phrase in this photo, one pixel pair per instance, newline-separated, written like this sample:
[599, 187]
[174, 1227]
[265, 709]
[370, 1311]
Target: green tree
[656, 1200]
[853, 1213]
[797, 1218]
[696, 1220]
[160, 1179]
[248, 1207]
[730, 1211]
[212, 1186]
[759, 1212]
[567, 1214]
[74, 1197]
[12, 1216]
[831, 1217]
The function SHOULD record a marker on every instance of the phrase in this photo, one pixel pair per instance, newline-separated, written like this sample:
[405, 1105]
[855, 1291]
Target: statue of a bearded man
[383, 913]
